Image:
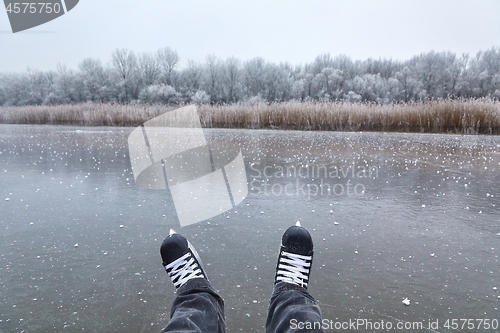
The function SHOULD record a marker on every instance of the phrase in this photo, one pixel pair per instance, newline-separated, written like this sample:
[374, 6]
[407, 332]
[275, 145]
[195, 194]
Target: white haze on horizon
[293, 31]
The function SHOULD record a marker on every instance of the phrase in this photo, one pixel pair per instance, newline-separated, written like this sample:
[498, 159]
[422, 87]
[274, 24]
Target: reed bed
[466, 116]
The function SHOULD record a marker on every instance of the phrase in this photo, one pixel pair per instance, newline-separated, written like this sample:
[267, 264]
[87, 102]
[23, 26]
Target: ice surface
[113, 281]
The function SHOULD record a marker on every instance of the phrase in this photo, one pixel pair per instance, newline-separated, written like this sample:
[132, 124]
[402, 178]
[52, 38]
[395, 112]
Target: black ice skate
[180, 259]
[295, 257]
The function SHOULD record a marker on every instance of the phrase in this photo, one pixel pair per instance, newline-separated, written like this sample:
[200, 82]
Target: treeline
[156, 78]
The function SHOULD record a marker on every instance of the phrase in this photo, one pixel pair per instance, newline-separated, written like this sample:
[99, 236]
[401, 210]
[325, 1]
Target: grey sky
[295, 31]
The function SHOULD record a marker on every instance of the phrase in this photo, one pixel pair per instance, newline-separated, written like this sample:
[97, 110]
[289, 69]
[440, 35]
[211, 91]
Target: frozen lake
[79, 248]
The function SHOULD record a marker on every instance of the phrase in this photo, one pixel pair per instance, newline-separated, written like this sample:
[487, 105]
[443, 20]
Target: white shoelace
[294, 268]
[183, 269]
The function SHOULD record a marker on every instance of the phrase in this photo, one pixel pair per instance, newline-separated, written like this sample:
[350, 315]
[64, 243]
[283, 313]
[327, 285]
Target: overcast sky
[295, 31]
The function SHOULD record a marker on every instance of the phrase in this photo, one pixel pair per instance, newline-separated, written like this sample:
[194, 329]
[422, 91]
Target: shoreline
[460, 116]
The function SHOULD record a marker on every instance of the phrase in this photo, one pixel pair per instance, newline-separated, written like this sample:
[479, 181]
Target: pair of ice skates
[182, 262]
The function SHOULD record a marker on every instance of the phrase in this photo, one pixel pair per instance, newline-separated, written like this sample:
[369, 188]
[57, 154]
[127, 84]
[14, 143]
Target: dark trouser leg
[291, 308]
[197, 309]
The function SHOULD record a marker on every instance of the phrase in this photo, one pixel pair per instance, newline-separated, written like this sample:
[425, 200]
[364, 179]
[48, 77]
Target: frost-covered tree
[488, 67]
[160, 94]
[253, 77]
[39, 85]
[200, 97]
[430, 71]
[156, 78]
[278, 82]
[213, 74]
[149, 69]
[96, 80]
[190, 79]
[408, 84]
[3, 89]
[16, 90]
[68, 87]
[231, 73]
[125, 75]
[168, 60]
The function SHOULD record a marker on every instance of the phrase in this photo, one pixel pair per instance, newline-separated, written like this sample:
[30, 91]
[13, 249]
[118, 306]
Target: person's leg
[292, 309]
[198, 308]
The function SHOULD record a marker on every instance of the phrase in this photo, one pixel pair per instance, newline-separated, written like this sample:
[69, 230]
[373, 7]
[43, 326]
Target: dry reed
[467, 116]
